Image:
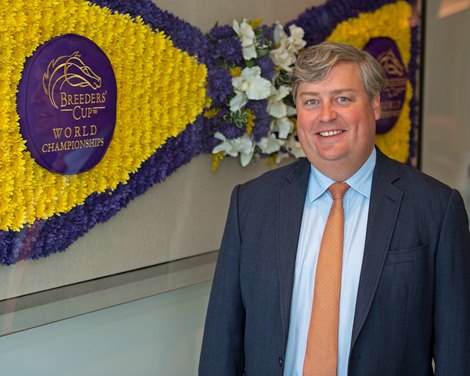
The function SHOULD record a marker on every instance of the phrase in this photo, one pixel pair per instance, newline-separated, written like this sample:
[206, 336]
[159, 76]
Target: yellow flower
[216, 158]
[211, 113]
[358, 32]
[255, 22]
[158, 84]
[250, 122]
[271, 160]
[235, 71]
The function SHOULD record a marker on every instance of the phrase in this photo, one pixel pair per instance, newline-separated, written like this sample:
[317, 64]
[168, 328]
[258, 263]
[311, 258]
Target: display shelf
[30, 311]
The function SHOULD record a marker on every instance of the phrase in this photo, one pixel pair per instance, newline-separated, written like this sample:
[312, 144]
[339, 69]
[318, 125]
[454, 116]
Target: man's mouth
[330, 133]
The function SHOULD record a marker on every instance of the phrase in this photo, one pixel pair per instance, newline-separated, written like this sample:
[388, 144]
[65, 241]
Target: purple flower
[219, 86]
[262, 118]
[183, 35]
[57, 233]
[268, 68]
[228, 50]
[229, 130]
[318, 22]
[268, 31]
[222, 32]
[225, 46]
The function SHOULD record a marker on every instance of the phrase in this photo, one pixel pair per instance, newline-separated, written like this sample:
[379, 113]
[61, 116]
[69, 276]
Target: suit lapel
[383, 211]
[291, 199]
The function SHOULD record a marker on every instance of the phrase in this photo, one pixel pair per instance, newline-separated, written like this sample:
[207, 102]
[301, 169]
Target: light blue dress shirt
[317, 206]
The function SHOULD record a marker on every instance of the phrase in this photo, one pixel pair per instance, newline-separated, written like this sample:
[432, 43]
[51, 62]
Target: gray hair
[315, 62]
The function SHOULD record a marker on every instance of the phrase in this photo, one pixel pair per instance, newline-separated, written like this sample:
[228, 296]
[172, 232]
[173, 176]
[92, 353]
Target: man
[405, 280]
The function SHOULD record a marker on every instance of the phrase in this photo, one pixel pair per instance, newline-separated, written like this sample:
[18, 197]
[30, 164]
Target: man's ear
[376, 106]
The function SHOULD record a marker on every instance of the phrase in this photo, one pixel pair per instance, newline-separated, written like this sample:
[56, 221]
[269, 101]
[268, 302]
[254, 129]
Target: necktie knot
[338, 190]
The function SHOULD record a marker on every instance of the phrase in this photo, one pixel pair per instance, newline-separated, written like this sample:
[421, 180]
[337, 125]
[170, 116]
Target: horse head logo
[69, 70]
[396, 82]
[391, 64]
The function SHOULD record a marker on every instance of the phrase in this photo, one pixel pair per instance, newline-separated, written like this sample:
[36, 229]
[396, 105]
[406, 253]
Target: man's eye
[311, 102]
[343, 99]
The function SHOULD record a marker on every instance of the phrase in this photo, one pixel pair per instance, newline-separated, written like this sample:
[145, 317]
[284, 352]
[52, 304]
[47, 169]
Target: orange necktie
[321, 356]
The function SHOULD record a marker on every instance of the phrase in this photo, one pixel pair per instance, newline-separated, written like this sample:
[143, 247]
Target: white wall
[446, 120]
[205, 13]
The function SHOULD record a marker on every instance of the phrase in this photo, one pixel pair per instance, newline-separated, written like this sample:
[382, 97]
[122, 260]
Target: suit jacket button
[281, 361]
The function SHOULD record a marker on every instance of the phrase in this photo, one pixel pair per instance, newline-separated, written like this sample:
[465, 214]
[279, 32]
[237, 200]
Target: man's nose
[328, 112]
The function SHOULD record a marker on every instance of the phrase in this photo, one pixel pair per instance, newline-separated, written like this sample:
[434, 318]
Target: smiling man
[336, 121]
[378, 285]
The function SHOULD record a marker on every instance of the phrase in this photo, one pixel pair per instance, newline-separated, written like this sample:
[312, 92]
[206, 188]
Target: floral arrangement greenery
[224, 92]
[258, 118]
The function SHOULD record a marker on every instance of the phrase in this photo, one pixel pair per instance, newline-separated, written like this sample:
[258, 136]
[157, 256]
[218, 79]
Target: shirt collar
[361, 181]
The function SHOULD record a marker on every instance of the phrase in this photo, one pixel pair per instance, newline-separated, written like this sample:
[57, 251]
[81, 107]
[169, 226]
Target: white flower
[247, 37]
[276, 106]
[238, 101]
[283, 126]
[296, 38]
[288, 47]
[280, 157]
[242, 145]
[278, 29]
[277, 109]
[269, 145]
[293, 146]
[249, 85]
[246, 148]
[291, 111]
[251, 82]
[246, 155]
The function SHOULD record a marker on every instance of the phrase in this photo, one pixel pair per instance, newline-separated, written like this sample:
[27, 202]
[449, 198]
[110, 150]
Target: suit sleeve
[222, 351]
[452, 292]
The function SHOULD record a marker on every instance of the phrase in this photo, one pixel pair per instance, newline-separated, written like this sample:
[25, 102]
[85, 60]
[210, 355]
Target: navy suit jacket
[413, 302]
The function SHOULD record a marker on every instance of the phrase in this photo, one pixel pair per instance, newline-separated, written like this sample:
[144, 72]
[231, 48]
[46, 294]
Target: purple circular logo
[67, 104]
[392, 98]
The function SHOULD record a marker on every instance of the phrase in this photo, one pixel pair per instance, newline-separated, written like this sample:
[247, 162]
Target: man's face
[336, 121]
